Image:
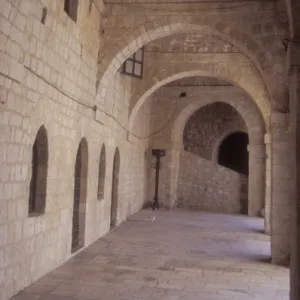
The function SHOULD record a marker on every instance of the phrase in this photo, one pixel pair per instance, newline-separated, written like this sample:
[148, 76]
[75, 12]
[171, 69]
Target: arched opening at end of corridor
[214, 134]
[233, 153]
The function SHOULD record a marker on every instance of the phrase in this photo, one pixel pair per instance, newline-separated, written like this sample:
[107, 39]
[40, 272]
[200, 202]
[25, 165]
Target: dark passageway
[233, 153]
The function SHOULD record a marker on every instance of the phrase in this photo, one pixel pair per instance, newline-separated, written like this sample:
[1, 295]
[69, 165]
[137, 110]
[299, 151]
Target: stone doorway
[115, 189]
[233, 154]
[80, 191]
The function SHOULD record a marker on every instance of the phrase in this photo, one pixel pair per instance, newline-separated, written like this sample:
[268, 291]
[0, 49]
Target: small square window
[134, 64]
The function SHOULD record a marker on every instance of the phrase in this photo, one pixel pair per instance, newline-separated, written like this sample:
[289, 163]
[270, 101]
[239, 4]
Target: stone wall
[48, 77]
[63, 75]
[205, 186]
[253, 34]
[190, 43]
[170, 114]
[208, 125]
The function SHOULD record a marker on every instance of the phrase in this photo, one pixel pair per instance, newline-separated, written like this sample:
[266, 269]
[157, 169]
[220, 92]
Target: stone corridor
[181, 255]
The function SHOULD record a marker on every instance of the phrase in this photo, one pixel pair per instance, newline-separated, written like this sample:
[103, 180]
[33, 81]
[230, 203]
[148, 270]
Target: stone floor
[180, 256]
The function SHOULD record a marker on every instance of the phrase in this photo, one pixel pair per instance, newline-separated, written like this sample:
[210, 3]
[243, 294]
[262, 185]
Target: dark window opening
[233, 153]
[101, 175]
[133, 66]
[70, 8]
[38, 182]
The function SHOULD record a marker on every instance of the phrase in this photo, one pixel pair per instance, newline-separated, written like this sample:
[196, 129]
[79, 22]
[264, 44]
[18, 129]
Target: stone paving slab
[180, 256]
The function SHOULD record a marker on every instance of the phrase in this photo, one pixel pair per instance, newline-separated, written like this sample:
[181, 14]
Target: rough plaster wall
[206, 186]
[207, 125]
[47, 73]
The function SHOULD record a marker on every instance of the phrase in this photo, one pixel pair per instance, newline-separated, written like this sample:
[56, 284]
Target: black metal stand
[158, 154]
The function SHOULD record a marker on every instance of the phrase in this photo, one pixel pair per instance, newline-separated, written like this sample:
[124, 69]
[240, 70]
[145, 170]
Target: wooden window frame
[134, 61]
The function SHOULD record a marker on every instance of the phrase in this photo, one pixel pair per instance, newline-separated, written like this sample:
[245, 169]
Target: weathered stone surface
[206, 186]
[172, 258]
[209, 126]
[65, 76]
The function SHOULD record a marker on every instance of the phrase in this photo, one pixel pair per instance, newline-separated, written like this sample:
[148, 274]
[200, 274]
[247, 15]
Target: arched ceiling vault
[111, 60]
[231, 67]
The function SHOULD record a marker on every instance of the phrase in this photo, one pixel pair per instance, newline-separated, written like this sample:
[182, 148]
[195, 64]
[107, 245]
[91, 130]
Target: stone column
[280, 188]
[294, 80]
[173, 183]
[268, 185]
[256, 188]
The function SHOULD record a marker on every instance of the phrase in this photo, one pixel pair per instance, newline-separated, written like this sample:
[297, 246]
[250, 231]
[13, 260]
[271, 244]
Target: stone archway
[257, 151]
[231, 72]
[111, 59]
[80, 193]
[255, 124]
[38, 182]
[115, 190]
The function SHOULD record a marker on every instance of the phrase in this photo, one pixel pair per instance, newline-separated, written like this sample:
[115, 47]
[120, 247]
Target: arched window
[38, 182]
[70, 8]
[101, 175]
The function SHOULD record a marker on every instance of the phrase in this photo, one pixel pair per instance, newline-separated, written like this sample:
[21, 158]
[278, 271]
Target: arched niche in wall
[115, 189]
[38, 182]
[101, 174]
[80, 194]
